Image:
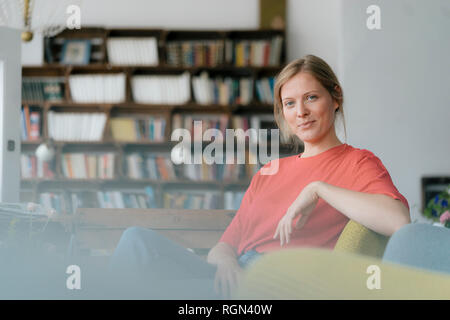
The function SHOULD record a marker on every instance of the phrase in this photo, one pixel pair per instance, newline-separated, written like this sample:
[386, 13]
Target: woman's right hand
[228, 276]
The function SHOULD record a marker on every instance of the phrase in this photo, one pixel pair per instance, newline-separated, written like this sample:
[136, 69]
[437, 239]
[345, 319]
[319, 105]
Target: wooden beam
[171, 219]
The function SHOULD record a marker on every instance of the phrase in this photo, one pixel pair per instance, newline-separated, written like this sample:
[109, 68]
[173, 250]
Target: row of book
[144, 51]
[161, 89]
[256, 122]
[192, 199]
[137, 199]
[133, 51]
[136, 166]
[30, 124]
[39, 89]
[264, 90]
[83, 126]
[195, 53]
[150, 166]
[198, 123]
[138, 128]
[88, 165]
[222, 91]
[161, 167]
[219, 172]
[76, 126]
[69, 202]
[98, 88]
[54, 200]
[170, 89]
[233, 199]
[32, 167]
[257, 53]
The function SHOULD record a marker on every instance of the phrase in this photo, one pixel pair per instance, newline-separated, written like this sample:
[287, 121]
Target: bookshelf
[122, 102]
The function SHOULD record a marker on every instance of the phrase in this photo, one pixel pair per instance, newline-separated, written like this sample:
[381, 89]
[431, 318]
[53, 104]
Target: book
[223, 91]
[76, 126]
[80, 165]
[195, 53]
[35, 127]
[141, 51]
[123, 129]
[97, 88]
[26, 110]
[161, 89]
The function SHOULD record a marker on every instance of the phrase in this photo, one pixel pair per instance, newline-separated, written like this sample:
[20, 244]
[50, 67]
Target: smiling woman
[319, 190]
[306, 202]
[308, 98]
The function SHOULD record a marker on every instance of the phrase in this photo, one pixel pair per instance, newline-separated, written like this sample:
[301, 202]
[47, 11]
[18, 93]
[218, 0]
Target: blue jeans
[148, 265]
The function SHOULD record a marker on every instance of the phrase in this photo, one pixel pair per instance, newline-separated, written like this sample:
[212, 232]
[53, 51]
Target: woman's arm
[377, 212]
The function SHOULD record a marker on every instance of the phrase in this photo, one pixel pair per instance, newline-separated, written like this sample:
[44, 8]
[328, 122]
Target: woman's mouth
[306, 125]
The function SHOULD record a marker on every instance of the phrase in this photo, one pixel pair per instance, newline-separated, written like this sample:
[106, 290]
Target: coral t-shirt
[269, 196]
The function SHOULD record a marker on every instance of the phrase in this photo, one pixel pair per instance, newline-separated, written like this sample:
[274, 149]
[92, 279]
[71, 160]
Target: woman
[311, 197]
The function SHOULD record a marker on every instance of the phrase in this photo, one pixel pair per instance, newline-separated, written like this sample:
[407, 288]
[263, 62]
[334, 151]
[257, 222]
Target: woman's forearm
[221, 252]
[377, 212]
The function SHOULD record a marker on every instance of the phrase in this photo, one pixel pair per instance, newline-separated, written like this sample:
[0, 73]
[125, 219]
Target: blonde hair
[327, 78]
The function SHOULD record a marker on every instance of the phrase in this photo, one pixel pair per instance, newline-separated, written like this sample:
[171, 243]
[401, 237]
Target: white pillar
[10, 105]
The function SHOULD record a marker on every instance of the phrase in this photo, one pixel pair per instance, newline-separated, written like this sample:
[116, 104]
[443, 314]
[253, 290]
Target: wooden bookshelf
[206, 42]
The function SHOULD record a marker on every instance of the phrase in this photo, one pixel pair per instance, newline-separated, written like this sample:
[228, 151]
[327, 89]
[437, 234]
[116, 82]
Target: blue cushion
[420, 245]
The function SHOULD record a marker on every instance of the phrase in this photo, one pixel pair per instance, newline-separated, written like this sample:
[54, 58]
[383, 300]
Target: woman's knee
[136, 234]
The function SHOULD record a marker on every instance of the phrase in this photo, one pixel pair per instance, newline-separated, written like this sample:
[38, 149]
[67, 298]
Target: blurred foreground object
[411, 268]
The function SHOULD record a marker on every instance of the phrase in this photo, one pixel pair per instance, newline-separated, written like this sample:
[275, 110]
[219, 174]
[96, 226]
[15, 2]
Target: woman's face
[308, 108]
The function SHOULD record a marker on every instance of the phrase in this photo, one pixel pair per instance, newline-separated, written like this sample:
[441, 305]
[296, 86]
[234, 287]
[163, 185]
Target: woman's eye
[288, 103]
[311, 98]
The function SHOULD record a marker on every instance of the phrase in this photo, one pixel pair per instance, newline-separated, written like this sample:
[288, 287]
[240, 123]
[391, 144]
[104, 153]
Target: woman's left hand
[303, 205]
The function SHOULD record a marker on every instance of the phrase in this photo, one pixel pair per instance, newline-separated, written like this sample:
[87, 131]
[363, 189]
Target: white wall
[396, 84]
[313, 28]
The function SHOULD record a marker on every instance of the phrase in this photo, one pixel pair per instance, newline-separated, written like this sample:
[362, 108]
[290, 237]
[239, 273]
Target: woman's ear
[335, 105]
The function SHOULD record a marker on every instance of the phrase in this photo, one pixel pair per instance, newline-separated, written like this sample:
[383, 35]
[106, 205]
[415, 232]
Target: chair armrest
[355, 238]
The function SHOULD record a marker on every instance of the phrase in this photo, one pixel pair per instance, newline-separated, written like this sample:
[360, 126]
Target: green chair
[353, 270]
[355, 238]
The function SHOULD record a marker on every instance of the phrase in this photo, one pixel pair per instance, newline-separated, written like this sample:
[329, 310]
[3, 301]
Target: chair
[347, 271]
[355, 238]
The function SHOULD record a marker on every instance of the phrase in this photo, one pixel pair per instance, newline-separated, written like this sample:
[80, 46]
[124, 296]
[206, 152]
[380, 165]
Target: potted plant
[438, 208]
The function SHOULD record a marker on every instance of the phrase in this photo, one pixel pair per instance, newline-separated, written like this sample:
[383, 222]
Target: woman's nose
[301, 109]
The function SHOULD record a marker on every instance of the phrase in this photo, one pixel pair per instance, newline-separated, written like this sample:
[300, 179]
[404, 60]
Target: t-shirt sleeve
[233, 233]
[371, 176]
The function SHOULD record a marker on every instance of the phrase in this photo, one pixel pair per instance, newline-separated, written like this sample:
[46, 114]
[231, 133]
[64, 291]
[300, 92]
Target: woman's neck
[312, 149]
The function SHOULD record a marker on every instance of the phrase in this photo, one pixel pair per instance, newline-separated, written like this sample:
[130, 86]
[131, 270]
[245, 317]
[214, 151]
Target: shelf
[161, 67]
[118, 181]
[125, 144]
[191, 106]
[32, 142]
[99, 64]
